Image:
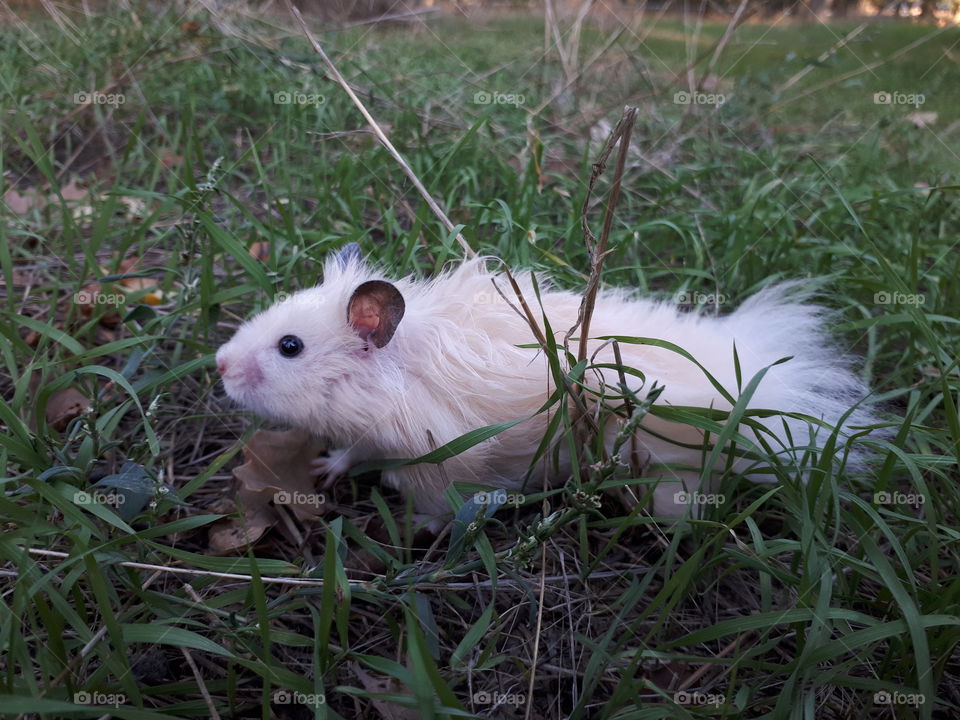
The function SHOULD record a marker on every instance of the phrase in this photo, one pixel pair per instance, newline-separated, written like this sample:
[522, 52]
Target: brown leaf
[276, 472]
[136, 284]
[260, 251]
[72, 191]
[64, 406]
[86, 299]
[280, 460]
[104, 335]
[922, 119]
[21, 203]
[227, 536]
[375, 684]
[170, 160]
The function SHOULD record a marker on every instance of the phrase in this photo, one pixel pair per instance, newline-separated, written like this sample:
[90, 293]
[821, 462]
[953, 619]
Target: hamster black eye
[290, 346]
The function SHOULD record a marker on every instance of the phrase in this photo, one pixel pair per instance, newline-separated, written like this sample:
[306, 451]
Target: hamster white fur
[453, 365]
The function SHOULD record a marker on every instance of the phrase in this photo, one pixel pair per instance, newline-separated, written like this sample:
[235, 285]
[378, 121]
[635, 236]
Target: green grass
[798, 601]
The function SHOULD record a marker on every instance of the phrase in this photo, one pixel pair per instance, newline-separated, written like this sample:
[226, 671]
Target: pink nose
[222, 367]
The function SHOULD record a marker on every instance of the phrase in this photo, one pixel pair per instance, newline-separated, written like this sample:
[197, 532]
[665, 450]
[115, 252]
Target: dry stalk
[598, 252]
[598, 249]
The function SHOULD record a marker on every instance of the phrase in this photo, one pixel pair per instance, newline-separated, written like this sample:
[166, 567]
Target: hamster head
[309, 358]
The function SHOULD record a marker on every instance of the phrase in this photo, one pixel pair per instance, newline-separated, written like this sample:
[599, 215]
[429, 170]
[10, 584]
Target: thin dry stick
[189, 571]
[717, 48]
[621, 133]
[381, 136]
[201, 684]
[706, 667]
[722, 44]
[614, 36]
[536, 638]
[598, 250]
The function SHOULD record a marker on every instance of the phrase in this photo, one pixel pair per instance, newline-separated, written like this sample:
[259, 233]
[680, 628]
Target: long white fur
[454, 366]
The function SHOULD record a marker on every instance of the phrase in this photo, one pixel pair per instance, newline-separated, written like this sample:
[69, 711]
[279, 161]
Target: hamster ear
[347, 254]
[375, 309]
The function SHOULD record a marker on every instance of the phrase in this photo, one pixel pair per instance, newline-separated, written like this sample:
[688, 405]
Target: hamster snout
[237, 372]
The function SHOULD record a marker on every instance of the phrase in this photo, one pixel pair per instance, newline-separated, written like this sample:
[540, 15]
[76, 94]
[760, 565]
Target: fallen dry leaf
[89, 297]
[72, 191]
[388, 711]
[276, 472]
[922, 119]
[260, 251]
[136, 284]
[64, 406]
[170, 160]
[103, 335]
[20, 204]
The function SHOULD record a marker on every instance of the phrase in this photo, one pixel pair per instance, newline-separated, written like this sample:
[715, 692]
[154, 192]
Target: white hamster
[394, 369]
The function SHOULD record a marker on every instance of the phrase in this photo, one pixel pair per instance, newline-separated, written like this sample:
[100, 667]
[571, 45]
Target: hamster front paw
[334, 465]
